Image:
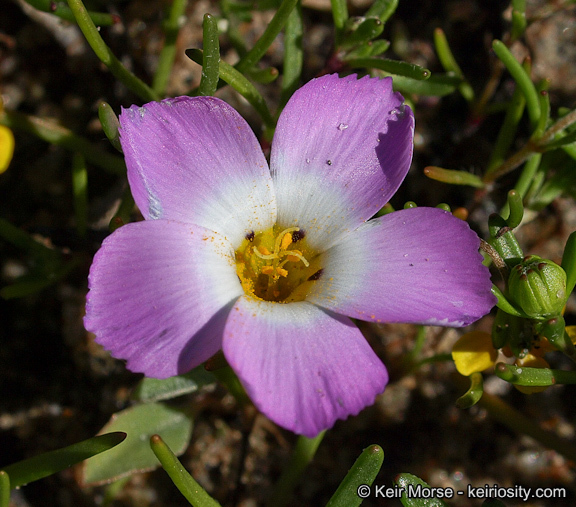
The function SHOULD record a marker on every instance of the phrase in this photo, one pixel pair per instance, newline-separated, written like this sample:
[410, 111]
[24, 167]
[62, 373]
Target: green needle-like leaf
[382, 9]
[52, 462]
[437, 85]
[340, 16]
[518, 19]
[110, 124]
[53, 133]
[265, 41]
[522, 80]
[516, 209]
[397, 67]
[185, 483]
[534, 377]
[237, 81]
[453, 177]
[293, 56]
[105, 54]
[4, 489]
[63, 11]
[449, 63]
[166, 60]
[363, 472]
[473, 395]
[210, 57]
[415, 485]
[362, 32]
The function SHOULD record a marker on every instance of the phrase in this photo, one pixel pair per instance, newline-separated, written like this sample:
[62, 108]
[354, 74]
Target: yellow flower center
[277, 265]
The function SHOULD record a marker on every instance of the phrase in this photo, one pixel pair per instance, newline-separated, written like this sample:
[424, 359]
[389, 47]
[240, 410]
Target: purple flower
[270, 264]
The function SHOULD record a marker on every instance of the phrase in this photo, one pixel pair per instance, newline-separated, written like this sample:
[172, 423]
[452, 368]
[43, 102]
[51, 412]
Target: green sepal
[363, 472]
[38, 467]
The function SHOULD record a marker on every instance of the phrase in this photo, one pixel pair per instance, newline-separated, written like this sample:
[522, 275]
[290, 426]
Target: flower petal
[418, 265]
[160, 292]
[341, 149]
[302, 366]
[474, 352]
[196, 160]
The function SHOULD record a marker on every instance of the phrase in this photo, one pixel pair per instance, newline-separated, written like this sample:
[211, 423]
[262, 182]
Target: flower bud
[538, 286]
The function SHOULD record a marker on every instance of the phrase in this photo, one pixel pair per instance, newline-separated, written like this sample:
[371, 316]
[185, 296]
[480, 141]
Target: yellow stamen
[281, 272]
[267, 270]
[286, 240]
[295, 256]
[264, 253]
[282, 237]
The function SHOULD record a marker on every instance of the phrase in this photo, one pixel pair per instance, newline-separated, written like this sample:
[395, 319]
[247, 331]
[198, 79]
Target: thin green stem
[60, 136]
[210, 57]
[523, 425]
[64, 12]
[168, 53]
[185, 483]
[265, 41]
[301, 457]
[105, 54]
[507, 132]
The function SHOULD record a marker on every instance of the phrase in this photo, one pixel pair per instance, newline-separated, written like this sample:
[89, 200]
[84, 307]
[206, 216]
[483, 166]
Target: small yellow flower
[474, 352]
[6, 147]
